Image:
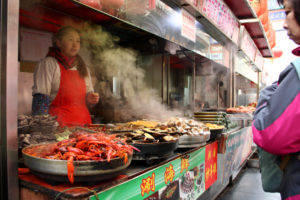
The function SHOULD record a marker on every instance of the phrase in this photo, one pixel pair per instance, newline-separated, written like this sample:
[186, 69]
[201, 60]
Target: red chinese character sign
[211, 174]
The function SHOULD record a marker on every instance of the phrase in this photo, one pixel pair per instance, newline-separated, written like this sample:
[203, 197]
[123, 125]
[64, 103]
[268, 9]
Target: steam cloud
[132, 98]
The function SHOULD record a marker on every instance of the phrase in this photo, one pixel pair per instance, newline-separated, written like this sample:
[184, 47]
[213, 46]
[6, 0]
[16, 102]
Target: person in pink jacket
[276, 125]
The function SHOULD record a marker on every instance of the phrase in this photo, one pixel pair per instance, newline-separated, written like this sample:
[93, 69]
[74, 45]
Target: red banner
[211, 160]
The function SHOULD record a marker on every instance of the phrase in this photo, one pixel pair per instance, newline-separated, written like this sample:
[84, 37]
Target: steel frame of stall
[9, 10]
[9, 34]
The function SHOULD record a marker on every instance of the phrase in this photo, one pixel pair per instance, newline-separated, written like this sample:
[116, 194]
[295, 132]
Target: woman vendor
[62, 83]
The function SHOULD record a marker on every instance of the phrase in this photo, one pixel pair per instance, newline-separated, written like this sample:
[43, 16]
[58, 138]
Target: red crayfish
[90, 146]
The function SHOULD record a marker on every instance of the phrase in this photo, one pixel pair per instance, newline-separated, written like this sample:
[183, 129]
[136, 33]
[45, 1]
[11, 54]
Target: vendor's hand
[93, 98]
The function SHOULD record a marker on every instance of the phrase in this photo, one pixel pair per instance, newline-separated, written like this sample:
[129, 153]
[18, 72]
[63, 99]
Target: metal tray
[209, 116]
[210, 119]
[209, 113]
[193, 140]
[155, 148]
[81, 168]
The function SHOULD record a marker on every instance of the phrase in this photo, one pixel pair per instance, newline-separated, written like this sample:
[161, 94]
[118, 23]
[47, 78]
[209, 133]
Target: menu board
[34, 44]
[259, 60]
[220, 15]
[188, 27]
[247, 45]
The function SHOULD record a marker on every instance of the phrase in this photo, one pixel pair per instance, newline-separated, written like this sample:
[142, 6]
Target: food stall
[177, 59]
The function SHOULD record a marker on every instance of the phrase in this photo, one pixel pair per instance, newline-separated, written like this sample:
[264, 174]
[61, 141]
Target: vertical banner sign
[188, 27]
[211, 164]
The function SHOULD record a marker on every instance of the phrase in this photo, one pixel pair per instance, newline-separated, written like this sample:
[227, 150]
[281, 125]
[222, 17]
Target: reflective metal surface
[81, 168]
[191, 140]
[9, 72]
[164, 21]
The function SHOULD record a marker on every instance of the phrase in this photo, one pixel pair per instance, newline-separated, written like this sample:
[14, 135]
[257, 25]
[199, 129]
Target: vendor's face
[290, 23]
[69, 44]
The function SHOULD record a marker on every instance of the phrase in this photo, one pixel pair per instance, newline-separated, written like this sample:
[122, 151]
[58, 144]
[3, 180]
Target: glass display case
[246, 91]
[246, 79]
[212, 86]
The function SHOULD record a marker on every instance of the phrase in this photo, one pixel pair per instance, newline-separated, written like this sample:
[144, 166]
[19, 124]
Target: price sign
[188, 27]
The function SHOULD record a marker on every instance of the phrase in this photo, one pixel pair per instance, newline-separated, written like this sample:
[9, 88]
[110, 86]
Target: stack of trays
[211, 117]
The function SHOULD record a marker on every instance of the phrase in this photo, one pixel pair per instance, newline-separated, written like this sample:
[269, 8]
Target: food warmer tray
[189, 141]
[56, 170]
[154, 151]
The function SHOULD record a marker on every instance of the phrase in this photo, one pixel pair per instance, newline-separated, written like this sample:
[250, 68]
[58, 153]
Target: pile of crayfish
[89, 146]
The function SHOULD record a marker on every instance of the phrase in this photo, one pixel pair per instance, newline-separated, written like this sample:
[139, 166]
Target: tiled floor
[248, 187]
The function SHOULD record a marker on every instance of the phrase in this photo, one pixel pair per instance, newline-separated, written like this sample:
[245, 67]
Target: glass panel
[212, 86]
[246, 91]
[180, 92]
[159, 19]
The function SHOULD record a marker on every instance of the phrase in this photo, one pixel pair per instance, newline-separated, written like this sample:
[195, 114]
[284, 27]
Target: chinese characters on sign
[169, 174]
[188, 27]
[221, 16]
[148, 184]
[211, 164]
[184, 164]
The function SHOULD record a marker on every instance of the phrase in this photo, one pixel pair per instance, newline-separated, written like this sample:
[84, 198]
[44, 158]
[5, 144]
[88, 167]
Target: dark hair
[296, 8]
[81, 67]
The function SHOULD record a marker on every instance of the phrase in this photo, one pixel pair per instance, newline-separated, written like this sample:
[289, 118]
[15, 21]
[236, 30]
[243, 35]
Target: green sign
[183, 177]
[235, 140]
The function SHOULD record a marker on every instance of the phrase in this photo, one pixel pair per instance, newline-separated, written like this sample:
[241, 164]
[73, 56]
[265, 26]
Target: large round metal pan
[155, 148]
[209, 116]
[81, 168]
[190, 139]
[211, 119]
[209, 113]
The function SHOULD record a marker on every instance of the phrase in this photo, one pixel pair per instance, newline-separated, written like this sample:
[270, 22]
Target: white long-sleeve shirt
[46, 79]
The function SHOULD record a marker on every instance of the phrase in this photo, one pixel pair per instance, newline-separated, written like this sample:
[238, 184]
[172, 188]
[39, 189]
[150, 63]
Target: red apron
[69, 104]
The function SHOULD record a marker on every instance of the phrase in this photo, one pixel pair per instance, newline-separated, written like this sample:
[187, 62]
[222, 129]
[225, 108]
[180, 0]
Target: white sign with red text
[188, 27]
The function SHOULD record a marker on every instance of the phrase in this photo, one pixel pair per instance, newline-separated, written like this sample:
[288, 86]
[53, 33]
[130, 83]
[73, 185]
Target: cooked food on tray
[86, 147]
[241, 109]
[184, 126]
[214, 126]
[144, 123]
[148, 136]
